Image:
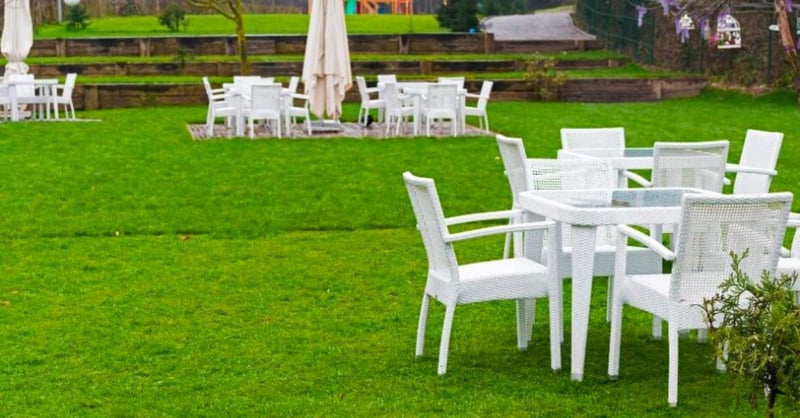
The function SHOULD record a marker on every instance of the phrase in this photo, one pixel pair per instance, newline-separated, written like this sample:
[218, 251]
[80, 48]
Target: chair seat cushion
[511, 278]
[648, 292]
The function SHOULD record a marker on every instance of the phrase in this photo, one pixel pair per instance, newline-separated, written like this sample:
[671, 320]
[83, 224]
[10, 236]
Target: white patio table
[242, 101]
[45, 85]
[416, 90]
[585, 210]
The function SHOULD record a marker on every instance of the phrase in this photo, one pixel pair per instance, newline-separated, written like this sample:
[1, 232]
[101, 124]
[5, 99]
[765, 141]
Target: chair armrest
[647, 241]
[726, 181]
[472, 95]
[794, 220]
[637, 178]
[502, 229]
[736, 168]
[299, 96]
[483, 216]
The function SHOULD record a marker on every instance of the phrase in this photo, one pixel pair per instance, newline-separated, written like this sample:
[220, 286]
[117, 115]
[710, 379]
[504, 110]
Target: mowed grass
[143, 273]
[254, 24]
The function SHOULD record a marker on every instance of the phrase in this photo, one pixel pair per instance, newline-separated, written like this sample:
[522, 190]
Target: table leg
[583, 248]
[239, 117]
[12, 91]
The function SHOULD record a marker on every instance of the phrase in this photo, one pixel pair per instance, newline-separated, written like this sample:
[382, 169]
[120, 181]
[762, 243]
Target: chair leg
[702, 335]
[522, 324]
[609, 297]
[250, 124]
[423, 319]
[672, 390]
[614, 342]
[656, 328]
[721, 360]
[444, 346]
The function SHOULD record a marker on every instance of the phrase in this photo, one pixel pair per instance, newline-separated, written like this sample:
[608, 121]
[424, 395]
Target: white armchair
[62, 95]
[757, 163]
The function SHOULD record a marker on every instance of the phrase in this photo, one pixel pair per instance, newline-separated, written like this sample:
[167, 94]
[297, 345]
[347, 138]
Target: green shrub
[759, 323]
[544, 81]
[77, 17]
[173, 18]
[130, 8]
[459, 15]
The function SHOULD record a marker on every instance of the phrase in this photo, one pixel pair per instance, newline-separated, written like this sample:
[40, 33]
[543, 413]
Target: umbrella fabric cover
[326, 67]
[17, 35]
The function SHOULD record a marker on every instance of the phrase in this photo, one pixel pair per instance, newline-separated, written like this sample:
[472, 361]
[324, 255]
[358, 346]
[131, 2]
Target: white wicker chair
[368, 103]
[526, 174]
[789, 263]
[396, 111]
[577, 138]
[219, 105]
[265, 104]
[518, 278]
[757, 163]
[687, 164]
[441, 103]
[711, 227]
[459, 81]
[62, 95]
[479, 110]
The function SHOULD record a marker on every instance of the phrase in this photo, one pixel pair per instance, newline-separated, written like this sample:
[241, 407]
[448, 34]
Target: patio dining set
[586, 214]
[23, 96]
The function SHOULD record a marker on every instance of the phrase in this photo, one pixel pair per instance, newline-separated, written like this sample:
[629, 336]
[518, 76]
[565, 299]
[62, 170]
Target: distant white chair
[757, 163]
[520, 278]
[710, 228]
[250, 79]
[441, 103]
[687, 164]
[26, 92]
[387, 78]
[220, 105]
[294, 82]
[367, 102]
[479, 110]
[789, 263]
[292, 110]
[265, 104]
[396, 111]
[62, 95]
[577, 138]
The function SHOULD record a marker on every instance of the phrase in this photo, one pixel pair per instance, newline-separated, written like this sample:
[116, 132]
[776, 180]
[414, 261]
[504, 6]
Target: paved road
[542, 26]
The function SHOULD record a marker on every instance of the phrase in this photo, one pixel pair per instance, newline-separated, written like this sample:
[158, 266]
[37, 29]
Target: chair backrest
[431, 224]
[25, 89]
[761, 150]
[246, 79]
[387, 78]
[712, 227]
[391, 96]
[362, 89]
[69, 84]
[459, 81]
[266, 97]
[577, 138]
[690, 164]
[486, 91]
[294, 82]
[442, 96]
[515, 162]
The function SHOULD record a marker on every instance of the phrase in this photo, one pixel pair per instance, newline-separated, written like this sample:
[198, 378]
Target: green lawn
[254, 24]
[146, 274]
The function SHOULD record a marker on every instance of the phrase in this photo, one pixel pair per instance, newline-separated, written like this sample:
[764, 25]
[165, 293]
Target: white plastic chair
[292, 110]
[687, 164]
[396, 111]
[265, 104]
[757, 163]
[711, 227]
[577, 138]
[440, 103]
[294, 82]
[219, 106]
[368, 103]
[26, 92]
[63, 96]
[454, 284]
[526, 174]
[479, 109]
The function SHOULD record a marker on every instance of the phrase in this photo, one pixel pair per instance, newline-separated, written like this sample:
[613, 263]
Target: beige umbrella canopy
[17, 35]
[326, 67]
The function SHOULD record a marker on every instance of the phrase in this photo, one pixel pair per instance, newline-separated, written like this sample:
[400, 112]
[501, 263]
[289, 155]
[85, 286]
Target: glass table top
[618, 198]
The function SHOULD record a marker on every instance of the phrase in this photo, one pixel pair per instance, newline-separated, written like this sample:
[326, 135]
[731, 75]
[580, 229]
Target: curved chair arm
[502, 229]
[637, 178]
[647, 241]
[483, 216]
[472, 95]
[736, 168]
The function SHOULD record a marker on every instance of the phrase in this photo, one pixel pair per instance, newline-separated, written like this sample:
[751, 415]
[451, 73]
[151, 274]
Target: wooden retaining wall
[415, 43]
[106, 96]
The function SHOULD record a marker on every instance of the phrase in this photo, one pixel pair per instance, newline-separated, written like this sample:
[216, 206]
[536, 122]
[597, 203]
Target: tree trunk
[241, 42]
[787, 41]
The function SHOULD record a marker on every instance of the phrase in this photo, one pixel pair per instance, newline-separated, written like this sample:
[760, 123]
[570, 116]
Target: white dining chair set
[575, 217]
[443, 105]
[24, 96]
[250, 99]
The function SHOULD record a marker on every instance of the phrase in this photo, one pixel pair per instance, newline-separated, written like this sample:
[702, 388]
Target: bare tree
[231, 9]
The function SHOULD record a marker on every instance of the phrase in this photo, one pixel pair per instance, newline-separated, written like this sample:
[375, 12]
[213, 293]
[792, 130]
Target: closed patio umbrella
[326, 67]
[17, 35]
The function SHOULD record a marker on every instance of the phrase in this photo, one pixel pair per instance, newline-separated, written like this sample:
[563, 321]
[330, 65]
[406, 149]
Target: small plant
[759, 323]
[173, 18]
[545, 82]
[77, 17]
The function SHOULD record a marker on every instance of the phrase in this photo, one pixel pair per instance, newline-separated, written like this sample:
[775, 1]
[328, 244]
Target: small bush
[77, 17]
[130, 8]
[459, 15]
[173, 18]
[545, 82]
